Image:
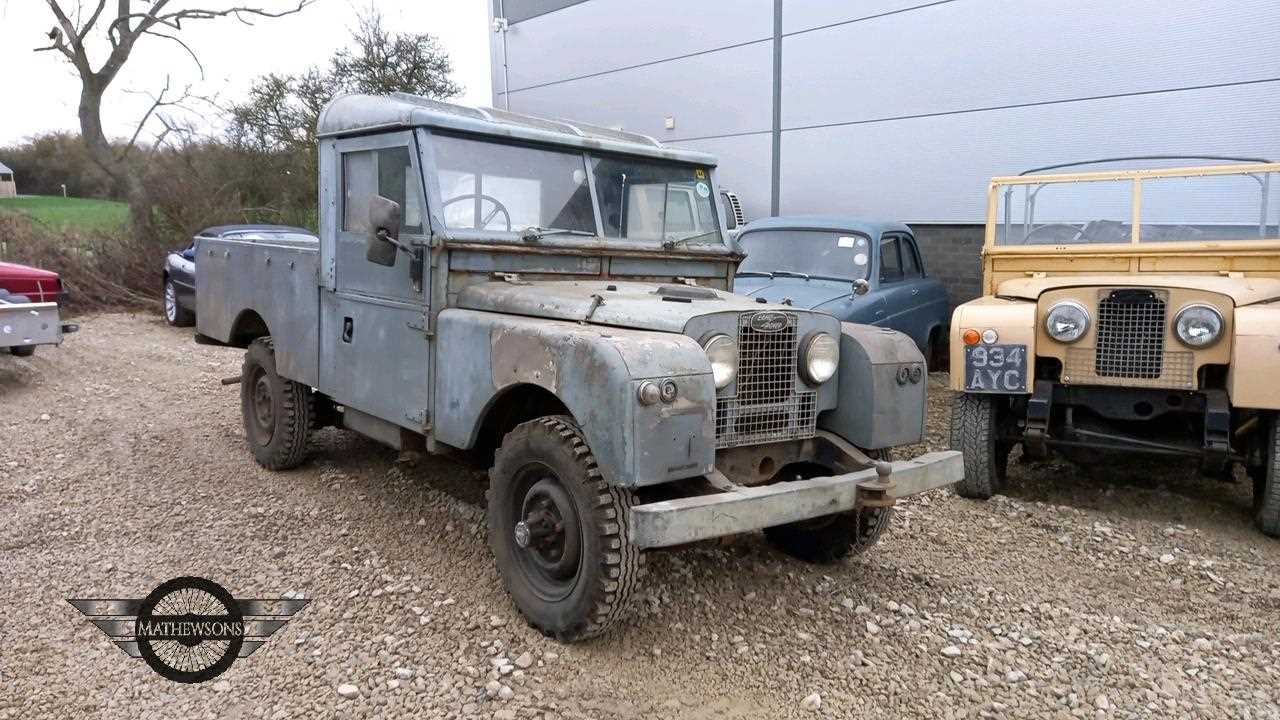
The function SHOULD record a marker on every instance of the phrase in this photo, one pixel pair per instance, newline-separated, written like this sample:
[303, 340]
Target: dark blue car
[823, 262]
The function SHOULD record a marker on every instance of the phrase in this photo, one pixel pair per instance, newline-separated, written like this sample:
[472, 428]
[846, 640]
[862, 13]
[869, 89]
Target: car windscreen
[647, 200]
[816, 253]
[507, 187]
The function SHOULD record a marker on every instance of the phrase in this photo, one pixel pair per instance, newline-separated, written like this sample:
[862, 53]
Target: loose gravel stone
[1040, 628]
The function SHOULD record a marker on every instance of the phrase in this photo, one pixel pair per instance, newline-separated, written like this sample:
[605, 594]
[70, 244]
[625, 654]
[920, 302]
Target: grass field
[68, 212]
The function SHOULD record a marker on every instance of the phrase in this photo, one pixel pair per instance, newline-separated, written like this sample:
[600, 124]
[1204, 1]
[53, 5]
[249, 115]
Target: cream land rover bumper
[740, 509]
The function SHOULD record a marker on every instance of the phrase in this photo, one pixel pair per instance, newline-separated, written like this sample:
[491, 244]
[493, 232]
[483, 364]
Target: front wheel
[975, 432]
[559, 532]
[277, 412]
[1266, 482]
[23, 350]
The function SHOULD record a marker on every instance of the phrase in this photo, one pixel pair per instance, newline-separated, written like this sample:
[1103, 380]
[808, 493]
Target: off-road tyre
[830, 539]
[175, 314]
[550, 452]
[975, 426]
[23, 350]
[277, 436]
[1266, 481]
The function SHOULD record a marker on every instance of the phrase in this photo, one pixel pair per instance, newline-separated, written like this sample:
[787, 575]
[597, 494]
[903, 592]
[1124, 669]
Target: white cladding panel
[900, 109]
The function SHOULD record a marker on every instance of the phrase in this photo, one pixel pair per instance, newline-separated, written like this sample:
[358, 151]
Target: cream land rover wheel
[1266, 482]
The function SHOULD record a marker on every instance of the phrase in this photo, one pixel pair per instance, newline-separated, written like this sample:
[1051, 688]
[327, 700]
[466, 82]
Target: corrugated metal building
[900, 109]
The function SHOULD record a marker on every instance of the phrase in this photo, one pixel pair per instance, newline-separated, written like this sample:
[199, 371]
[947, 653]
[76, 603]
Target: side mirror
[384, 231]
[861, 287]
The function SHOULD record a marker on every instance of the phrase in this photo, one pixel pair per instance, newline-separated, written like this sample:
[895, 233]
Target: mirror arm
[385, 236]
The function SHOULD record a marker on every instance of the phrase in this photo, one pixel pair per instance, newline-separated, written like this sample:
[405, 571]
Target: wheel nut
[522, 534]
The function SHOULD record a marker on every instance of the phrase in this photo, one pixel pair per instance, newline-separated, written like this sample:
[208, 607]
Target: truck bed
[253, 275]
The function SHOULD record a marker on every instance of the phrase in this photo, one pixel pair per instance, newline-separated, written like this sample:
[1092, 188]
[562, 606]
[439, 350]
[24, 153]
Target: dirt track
[1134, 591]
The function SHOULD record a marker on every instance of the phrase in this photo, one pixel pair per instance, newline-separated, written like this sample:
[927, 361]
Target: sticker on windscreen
[699, 173]
[703, 189]
[860, 259]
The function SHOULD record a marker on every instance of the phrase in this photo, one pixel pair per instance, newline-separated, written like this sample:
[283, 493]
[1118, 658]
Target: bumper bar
[29, 324]
[743, 509]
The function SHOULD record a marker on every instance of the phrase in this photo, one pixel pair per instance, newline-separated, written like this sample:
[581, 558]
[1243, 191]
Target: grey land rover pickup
[558, 297]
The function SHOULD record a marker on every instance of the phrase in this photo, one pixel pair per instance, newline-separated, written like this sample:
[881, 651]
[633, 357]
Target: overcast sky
[40, 92]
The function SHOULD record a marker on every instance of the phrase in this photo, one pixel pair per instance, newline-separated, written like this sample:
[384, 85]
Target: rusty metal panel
[269, 276]
[594, 371]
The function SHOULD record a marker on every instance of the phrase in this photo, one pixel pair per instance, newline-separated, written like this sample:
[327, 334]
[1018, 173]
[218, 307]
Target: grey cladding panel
[736, 96]
[605, 35]
[937, 169]
[909, 63]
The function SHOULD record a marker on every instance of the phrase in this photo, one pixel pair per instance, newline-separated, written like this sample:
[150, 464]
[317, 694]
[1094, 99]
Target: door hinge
[420, 326]
[419, 418]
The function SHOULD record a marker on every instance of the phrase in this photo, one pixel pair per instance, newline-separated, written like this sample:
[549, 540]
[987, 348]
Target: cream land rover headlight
[1067, 321]
[1198, 326]
[819, 358]
[722, 351]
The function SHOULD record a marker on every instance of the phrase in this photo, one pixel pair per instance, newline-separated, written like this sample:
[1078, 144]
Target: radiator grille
[1130, 345]
[1131, 329]
[766, 406]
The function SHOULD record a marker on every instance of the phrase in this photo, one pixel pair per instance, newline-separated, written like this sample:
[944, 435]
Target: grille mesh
[1130, 346]
[1130, 335]
[766, 407]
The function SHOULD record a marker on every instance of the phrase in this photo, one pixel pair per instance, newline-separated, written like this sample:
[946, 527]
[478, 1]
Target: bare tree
[124, 26]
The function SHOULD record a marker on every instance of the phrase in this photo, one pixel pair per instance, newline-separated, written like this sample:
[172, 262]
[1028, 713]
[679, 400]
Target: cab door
[375, 350]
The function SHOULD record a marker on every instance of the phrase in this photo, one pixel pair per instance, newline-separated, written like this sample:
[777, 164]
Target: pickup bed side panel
[595, 372]
[277, 282]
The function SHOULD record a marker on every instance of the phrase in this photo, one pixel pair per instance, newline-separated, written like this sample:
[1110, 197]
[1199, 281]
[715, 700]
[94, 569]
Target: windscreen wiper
[673, 244]
[754, 273]
[788, 273]
[534, 233]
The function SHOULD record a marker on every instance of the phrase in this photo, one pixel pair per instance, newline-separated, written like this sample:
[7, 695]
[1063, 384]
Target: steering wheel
[1076, 233]
[498, 207]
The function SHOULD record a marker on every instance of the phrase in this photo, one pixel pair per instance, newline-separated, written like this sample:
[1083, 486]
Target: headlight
[722, 351]
[1198, 326]
[819, 358]
[1067, 321]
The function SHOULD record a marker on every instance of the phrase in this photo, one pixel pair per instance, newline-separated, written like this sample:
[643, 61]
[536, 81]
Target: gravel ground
[1116, 592]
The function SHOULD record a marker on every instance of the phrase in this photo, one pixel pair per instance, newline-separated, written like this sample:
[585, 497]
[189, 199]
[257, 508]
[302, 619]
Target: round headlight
[1198, 326]
[1067, 321]
[820, 358]
[722, 351]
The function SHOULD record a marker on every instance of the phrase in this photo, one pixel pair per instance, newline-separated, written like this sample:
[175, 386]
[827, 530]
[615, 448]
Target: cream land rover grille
[766, 406]
[1130, 345]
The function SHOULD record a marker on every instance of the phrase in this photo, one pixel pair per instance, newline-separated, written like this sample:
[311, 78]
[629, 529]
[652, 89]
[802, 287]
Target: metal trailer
[25, 325]
[543, 293]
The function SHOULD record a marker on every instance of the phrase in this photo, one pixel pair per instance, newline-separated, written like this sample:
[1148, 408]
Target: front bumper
[742, 509]
[30, 324]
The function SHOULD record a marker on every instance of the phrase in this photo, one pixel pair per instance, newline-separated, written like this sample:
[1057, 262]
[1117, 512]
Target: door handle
[915, 291]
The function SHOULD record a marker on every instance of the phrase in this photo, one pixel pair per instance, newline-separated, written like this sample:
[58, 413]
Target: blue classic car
[861, 272]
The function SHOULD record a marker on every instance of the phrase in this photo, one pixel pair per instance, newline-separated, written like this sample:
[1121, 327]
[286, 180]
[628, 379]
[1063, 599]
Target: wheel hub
[548, 537]
[263, 412]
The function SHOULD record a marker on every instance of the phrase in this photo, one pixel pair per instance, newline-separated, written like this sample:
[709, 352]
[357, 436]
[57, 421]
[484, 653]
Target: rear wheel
[975, 431]
[1266, 482]
[558, 531]
[277, 412]
[175, 314]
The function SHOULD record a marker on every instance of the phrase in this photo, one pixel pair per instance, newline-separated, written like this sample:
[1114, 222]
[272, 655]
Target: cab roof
[357, 114]
[824, 223]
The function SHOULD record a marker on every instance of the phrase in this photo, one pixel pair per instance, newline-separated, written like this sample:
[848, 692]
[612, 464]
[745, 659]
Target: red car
[36, 284]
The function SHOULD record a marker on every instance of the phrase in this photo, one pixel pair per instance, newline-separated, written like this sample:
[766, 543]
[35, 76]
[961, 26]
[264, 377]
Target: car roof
[825, 223]
[358, 114]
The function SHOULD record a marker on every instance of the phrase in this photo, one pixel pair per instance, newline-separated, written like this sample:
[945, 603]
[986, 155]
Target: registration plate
[995, 368]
